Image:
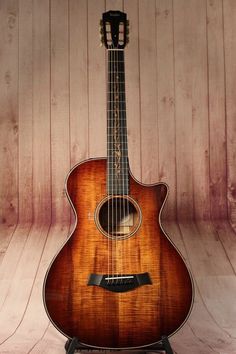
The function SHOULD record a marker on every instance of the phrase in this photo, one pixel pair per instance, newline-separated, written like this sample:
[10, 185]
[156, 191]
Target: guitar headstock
[114, 29]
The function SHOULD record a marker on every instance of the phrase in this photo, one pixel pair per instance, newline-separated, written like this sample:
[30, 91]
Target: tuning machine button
[101, 39]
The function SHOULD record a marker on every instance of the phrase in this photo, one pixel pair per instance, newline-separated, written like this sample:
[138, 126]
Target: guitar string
[120, 157]
[110, 172]
[122, 203]
[127, 158]
[114, 200]
[112, 156]
[123, 157]
[115, 155]
[125, 145]
[108, 163]
[116, 158]
[111, 160]
[118, 166]
[117, 161]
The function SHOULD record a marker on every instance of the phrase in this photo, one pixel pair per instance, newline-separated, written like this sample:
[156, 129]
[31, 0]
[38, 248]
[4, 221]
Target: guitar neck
[117, 145]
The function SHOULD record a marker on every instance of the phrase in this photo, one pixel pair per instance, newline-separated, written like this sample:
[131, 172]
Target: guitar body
[119, 316]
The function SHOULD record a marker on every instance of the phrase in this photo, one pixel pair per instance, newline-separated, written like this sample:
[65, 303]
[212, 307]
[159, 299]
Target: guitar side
[107, 319]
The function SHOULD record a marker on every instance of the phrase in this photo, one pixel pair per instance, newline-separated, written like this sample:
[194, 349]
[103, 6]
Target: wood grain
[59, 86]
[166, 101]
[9, 112]
[131, 319]
[132, 73]
[78, 66]
[41, 113]
[148, 90]
[183, 109]
[50, 50]
[25, 112]
[229, 8]
[190, 155]
[96, 69]
[216, 82]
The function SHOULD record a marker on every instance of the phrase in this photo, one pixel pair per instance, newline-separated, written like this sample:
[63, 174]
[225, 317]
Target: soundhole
[118, 217]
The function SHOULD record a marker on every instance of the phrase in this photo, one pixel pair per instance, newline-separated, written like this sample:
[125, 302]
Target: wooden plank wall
[181, 109]
[180, 73]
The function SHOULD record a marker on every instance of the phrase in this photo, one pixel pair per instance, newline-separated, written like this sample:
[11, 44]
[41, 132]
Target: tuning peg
[127, 40]
[102, 40]
[127, 30]
[127, 23]
[101, 22]
[101, 30]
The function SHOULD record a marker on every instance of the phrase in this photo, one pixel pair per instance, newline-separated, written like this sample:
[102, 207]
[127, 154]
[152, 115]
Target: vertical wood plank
[97, 82]
[148, 91]
[132, 83]
[165, 97]
[229, 8]
[114, 5]
[60, 147]
[41, 112]
[191, 109]
[78, 80]
[183, 110]
[25, 111]
[200, 122]
[9, 111]
[218, 179]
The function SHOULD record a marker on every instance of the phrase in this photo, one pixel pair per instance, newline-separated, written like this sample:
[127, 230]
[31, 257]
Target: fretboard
[117, 147]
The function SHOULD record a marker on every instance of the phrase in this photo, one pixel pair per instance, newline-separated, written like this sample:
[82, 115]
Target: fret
[115, 50]
[115, 101]
[116, 93]
[125, 164]
[111, 150]
[112, 170]
[112, 175]
[112, 156]
[112, 178]
[119, 186]
[114, 161]
[114, 82]
[112, 126]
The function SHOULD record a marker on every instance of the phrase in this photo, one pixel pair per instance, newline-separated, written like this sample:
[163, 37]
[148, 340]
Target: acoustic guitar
[118, 281]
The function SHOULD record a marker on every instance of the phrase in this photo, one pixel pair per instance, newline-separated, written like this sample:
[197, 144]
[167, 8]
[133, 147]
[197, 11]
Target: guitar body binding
[151, 289]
